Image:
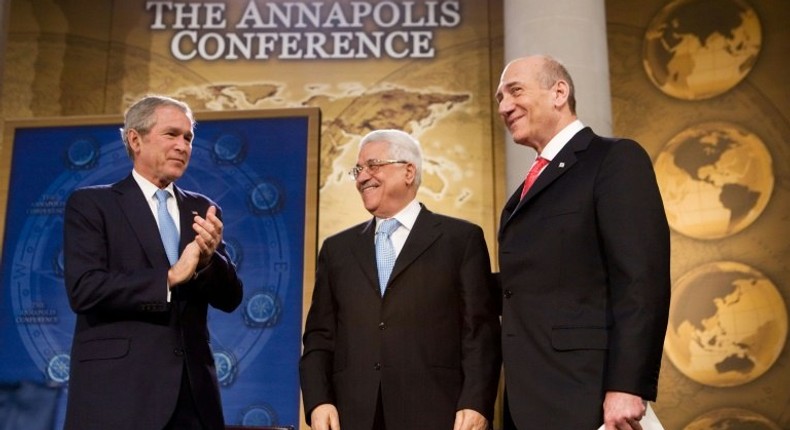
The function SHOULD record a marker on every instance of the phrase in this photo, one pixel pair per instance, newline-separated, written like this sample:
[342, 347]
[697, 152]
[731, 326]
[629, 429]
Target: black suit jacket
[430, 344]
[584, 269]
[130, 346]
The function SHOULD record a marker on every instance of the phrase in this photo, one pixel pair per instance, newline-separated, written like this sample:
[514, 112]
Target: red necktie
[537, 166]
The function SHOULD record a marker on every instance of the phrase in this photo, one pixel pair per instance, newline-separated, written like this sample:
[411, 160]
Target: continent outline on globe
[727, 326]
[699, 49]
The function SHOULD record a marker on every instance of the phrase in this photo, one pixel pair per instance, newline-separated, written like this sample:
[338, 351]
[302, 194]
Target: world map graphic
[697, 49]
[716, 179]
[727, 324]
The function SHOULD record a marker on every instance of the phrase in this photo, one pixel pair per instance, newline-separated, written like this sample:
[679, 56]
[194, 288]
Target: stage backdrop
[702, 84]
[259, 166]
[429, 67]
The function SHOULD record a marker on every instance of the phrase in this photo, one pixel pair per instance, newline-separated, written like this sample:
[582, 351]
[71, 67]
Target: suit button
[377, 366]
[178, 351]
[381, 326]
[508, 294]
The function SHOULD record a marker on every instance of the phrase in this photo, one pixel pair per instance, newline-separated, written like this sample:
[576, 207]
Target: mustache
[366, 184]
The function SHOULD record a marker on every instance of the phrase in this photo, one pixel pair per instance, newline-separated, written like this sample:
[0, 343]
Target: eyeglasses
[373, 166]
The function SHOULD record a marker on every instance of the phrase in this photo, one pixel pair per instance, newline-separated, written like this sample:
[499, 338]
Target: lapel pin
[562, 164]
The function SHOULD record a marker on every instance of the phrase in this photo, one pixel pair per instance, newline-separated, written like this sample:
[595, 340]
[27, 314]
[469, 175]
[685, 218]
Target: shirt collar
[147, 187]
[559, 140]
[407, 216]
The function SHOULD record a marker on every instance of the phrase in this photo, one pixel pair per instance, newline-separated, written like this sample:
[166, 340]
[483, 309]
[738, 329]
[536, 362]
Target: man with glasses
[402, 332]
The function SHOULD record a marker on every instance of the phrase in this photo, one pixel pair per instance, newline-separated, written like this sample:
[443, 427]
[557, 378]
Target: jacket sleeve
[480, 345]
[315, 366]
[218, 279]
[98, 260]
[635, 237]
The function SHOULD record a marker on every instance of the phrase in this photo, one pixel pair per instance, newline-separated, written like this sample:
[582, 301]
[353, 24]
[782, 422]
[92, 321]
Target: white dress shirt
[149, 191]
[406, 217]
[560, 139]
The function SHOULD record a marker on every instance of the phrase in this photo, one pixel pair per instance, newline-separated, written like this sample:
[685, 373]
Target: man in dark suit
[417, 349]
[584, 265]
[140, 356]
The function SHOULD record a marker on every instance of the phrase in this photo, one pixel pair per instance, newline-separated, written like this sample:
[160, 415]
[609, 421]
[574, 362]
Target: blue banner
[255, 168]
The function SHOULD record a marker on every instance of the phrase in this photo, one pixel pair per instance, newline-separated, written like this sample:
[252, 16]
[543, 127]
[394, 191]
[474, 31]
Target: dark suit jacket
[584, 269]
[431, 343]
[130, 346]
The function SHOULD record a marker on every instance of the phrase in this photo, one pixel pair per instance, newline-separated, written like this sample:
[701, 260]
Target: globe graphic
[715, 178]
[731, 419]
[727, 324]
[698, 49]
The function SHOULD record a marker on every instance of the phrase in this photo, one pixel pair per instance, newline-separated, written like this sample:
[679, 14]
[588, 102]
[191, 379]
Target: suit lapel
[562, 163]
[422, 235]
[364, 250]
[510, 206]
[186, 212]
[138, 214]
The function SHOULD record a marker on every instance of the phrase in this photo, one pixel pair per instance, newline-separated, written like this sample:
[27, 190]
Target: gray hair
[551, 72]
[401, 145]
[141, 116]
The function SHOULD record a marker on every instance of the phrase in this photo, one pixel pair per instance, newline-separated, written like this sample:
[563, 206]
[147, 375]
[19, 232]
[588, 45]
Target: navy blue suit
[131, 346]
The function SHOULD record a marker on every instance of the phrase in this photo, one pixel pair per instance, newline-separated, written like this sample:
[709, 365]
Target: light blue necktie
[167, 228]
[385, 252]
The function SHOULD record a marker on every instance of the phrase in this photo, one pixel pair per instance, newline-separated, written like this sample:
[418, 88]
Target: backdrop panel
[260, 166]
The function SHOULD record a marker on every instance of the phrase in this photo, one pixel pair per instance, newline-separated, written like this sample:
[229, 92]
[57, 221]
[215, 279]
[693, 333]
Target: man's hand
[622, 411]
[325, 417]
[470, 419]
[208, 234]
[185, 267]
